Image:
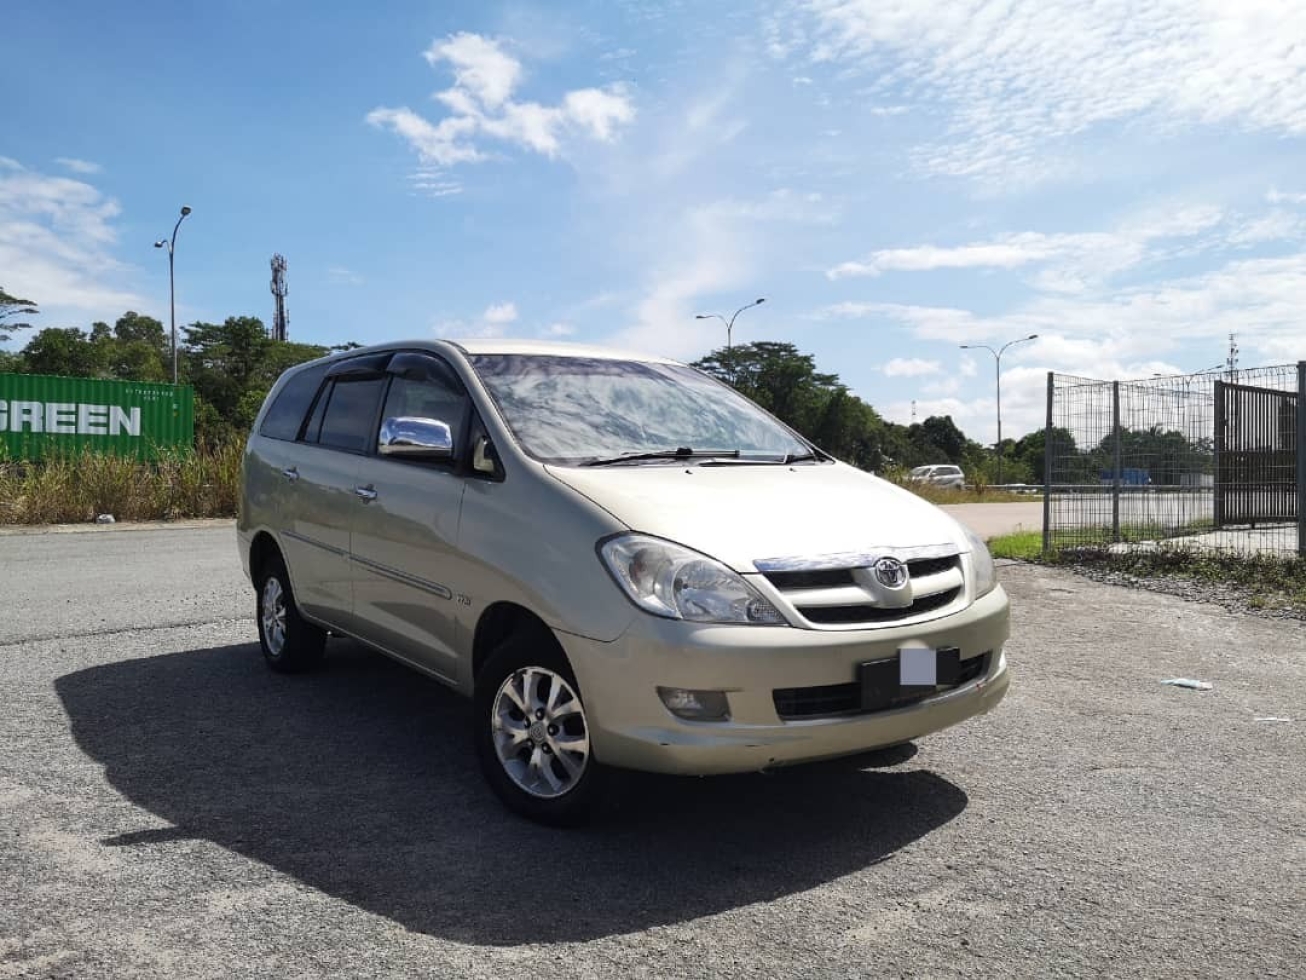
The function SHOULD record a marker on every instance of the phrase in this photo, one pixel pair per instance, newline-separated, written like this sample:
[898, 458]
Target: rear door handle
[291, 474]
[368, 494]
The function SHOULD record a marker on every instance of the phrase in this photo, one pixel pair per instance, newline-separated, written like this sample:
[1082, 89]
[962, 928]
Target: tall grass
[76, 488]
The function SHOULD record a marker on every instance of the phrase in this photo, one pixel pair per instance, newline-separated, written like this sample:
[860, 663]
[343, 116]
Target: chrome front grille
[847, 597]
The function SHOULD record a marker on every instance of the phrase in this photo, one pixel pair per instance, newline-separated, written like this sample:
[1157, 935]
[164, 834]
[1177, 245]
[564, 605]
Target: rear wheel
[532, 733]
[290, 643]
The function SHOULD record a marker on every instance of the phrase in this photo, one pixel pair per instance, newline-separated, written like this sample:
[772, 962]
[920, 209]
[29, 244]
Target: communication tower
[280, 318]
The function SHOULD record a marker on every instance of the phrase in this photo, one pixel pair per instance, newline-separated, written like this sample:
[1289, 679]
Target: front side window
[581, 409]
[350, 416]
[429, 391]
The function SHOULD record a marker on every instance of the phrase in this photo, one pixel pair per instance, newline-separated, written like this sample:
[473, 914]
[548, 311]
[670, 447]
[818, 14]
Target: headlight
[677, 583]
[981, 564]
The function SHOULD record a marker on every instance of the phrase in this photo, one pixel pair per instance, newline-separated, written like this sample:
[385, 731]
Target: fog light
[695, 705]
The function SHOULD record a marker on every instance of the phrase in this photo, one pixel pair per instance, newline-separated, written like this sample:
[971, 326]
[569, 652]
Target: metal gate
[1255, 455]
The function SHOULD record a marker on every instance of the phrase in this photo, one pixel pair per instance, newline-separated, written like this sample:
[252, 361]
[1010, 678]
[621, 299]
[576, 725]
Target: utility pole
[730, 324]
[171, 244]
[997, 376]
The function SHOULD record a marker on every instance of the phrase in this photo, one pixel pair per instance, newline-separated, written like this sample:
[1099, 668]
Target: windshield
[577, 409]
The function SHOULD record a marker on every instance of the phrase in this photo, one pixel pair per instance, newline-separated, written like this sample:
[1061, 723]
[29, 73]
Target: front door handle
[368, 493]
[290, 473]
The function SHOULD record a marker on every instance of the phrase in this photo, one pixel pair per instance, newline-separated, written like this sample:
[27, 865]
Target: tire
[535, 765]
[290, 643]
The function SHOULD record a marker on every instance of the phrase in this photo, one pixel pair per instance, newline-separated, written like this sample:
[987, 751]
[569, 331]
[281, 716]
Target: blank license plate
[914, 671]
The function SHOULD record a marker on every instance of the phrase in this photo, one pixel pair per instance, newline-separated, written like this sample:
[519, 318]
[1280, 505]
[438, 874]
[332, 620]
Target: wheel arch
[501, 620]
[263, 548]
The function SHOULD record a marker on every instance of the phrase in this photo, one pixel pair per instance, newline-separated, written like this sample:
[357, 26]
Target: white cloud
[910, 367]
[712, 249]
[480, 67]
[1078, 258]
[56, 240]
[438, 144]
[1023, 77]
[559, 330]
[9, 163]
[78, 166]
[347, 277]
[494, 321]
[481, 105]
[500, 313]
[1277, 226]
[1276, 196]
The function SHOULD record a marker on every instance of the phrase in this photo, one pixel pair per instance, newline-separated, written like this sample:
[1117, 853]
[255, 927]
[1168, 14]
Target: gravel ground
[173, 810]
[1236, 598]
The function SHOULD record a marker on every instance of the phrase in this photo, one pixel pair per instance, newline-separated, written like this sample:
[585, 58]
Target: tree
[232, 366]
[65, 351]
[131, 327]
[777, 377]
[12, 306]
[1030, 451]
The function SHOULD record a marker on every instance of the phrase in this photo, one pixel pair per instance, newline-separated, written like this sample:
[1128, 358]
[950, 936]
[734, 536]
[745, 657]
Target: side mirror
[485, 459]
[412, 438]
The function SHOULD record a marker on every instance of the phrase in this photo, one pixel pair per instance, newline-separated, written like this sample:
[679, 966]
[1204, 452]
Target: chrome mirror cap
[414, 438]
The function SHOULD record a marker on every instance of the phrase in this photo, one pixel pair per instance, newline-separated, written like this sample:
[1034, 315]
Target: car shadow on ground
[360, 781]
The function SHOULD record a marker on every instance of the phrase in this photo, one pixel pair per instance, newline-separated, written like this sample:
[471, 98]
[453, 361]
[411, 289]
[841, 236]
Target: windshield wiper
[800, 457]
[683, 452]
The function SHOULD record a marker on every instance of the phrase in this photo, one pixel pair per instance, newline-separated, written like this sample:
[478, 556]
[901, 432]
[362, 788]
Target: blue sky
[1124, 178]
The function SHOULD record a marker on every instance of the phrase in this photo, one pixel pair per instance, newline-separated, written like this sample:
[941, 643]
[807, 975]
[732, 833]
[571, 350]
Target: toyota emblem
[890, 572]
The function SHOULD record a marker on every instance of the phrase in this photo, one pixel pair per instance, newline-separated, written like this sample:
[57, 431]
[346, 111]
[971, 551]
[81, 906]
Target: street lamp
[172, 291]
[997, 374]
[730, 324]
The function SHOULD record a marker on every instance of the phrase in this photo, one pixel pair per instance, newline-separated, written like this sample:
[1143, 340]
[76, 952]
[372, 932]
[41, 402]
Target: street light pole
[730, 324]
[997, 377]
[172, 289]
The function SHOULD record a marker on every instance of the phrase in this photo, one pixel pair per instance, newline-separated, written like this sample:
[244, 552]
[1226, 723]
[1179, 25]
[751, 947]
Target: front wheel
[533, 736]
[290, 643]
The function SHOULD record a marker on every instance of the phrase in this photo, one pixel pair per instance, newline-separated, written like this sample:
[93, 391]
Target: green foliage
[1021, 545]
[1029, 452]
[786, 383]
[11, 307]
[77, 487]
[65, 351]
[232, 366]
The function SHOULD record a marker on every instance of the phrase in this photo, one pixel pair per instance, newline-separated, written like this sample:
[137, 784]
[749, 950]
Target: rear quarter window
[286, 413]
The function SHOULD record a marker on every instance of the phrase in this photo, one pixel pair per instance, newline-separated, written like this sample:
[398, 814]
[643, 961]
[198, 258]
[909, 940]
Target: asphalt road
[171, 809]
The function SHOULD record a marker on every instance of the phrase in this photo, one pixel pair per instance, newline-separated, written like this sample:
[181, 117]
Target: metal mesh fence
[1211, 458]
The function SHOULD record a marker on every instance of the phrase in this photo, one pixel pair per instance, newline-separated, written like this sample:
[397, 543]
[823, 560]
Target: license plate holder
[884, 683]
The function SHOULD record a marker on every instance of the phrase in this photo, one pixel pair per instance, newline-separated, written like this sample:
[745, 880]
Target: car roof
[504, 345]
[495, 345]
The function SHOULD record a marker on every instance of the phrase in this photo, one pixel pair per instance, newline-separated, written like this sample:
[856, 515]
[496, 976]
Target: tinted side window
[285, 415]
[350, 416]
[436, 396]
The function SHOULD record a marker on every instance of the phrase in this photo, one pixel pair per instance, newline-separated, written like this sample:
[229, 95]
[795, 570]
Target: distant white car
[939, 476]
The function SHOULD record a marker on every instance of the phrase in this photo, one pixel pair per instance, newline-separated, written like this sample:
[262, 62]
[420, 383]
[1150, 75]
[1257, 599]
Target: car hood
[742, 514]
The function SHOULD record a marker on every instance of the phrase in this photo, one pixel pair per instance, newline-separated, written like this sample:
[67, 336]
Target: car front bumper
[631, 728]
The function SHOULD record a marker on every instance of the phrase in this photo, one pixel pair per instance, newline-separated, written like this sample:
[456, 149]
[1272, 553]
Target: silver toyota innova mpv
[622, 561]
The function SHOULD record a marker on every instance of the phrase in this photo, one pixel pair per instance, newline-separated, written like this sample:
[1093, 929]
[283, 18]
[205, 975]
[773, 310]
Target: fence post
[1047, 472]
[1300, 441]
[1115, 481]
[1217, 482]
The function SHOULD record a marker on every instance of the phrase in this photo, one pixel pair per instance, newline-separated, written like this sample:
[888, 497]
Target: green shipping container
[42, 415]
